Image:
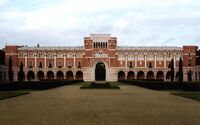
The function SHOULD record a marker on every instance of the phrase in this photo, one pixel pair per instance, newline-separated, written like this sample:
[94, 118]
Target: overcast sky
[67, 22]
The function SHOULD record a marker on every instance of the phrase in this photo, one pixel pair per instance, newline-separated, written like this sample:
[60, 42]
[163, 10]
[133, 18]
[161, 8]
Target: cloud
[134, 22]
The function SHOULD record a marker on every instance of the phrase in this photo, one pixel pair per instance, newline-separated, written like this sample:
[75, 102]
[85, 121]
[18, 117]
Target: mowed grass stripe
[191, 95]
[10, 94]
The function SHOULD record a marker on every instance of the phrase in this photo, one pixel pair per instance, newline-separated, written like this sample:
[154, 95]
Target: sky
[67, 22]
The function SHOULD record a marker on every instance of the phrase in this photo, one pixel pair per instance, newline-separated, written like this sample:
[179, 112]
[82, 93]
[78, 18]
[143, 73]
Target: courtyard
[74, 106]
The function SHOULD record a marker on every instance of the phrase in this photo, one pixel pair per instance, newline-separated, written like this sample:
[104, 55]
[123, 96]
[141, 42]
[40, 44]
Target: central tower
[100, 51]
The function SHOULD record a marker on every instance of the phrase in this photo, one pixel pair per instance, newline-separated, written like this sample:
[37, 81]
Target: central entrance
[100, 72]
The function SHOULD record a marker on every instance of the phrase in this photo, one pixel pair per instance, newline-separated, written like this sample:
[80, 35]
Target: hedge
[38, 85]
[159, 85]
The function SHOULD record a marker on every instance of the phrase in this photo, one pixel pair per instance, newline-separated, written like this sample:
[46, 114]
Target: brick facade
[120, 62]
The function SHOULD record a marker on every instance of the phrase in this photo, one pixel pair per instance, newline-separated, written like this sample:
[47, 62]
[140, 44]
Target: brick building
[101, 59]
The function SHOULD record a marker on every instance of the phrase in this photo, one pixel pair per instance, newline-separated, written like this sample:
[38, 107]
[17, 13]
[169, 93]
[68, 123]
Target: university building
[101, 59]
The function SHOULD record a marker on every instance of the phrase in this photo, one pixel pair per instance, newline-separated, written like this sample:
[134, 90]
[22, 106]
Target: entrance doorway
[100, 72]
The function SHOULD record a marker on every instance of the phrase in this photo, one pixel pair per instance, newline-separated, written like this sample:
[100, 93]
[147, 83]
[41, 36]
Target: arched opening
[140, 75]
[59, 75]
[70, 75]
[121, 75]
[31, 76]
[21, 76]
[177, 76]
[130, 75]
[79, 75]
[150, 75]
[1, 76]
[189, 76]
[40, 75]
[100, 72]
[199, 76]
[50, 75]
[160, 75]
[168, 76]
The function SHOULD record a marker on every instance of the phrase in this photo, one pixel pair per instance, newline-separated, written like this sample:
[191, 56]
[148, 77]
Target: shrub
[159, 85]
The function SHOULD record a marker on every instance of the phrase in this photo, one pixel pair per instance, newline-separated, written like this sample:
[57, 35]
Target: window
[189, 62]
[150, 65]
[59, 65]
[169, 65]
[50, 64]
[131, 65]
[69, 65]
[189, 59]
[40, 64]
[30, 64]
[79, 64]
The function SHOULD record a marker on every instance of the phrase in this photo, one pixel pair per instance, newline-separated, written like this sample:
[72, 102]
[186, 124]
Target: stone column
[64, 61]
[55, 75]
[135, 61]
[45, 75]
[25, 60]
[164, 75]
[135, 74]
[174, 61]
[74, 60]
[155, 59]
[54, 61]
[45, 60]
[126, 59]
[35, 60]
[25, 76]
[15, 76]
[145, 60]
[165, 60]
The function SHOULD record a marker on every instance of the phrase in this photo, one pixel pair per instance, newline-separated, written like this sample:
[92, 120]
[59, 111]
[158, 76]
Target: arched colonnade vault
[159, 75]
[69, 75]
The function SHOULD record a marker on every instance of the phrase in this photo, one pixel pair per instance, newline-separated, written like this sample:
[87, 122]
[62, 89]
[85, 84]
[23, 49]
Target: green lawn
[191, 95]
[112, 85]
[10, 94]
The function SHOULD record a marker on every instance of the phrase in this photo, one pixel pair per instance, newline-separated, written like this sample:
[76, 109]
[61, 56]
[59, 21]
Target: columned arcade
[101, 59]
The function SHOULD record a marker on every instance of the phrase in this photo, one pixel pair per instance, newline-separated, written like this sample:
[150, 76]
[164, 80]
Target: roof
[148, 48]
[52, 48]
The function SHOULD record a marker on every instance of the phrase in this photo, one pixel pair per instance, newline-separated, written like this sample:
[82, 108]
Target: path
[69, 105]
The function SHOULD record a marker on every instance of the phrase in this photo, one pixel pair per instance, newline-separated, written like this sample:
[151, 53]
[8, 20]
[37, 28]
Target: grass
[112, 85]
[11, 94]
[191, 95]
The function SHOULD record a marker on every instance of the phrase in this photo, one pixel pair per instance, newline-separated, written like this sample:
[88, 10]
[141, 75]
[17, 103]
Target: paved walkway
[69, 105]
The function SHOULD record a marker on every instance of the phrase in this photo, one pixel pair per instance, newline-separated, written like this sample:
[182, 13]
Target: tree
[10, 72]
[2, 57]
[172, 70]
[180, 70]
[21, 72]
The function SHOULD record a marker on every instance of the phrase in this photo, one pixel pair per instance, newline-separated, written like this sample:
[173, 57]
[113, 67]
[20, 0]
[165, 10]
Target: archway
[40, 75]
[189, 76]
[150, 75]
[168, 76]
[70, 75]
[140, 75]
[130, 75]
[100, 72]
[59, 75]
[121, 75]
[50, 75]
[199, 76]
[160, 75]
[79, 75]
[1, 76]
[177, 76]
[21, 76]
[31, 76]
